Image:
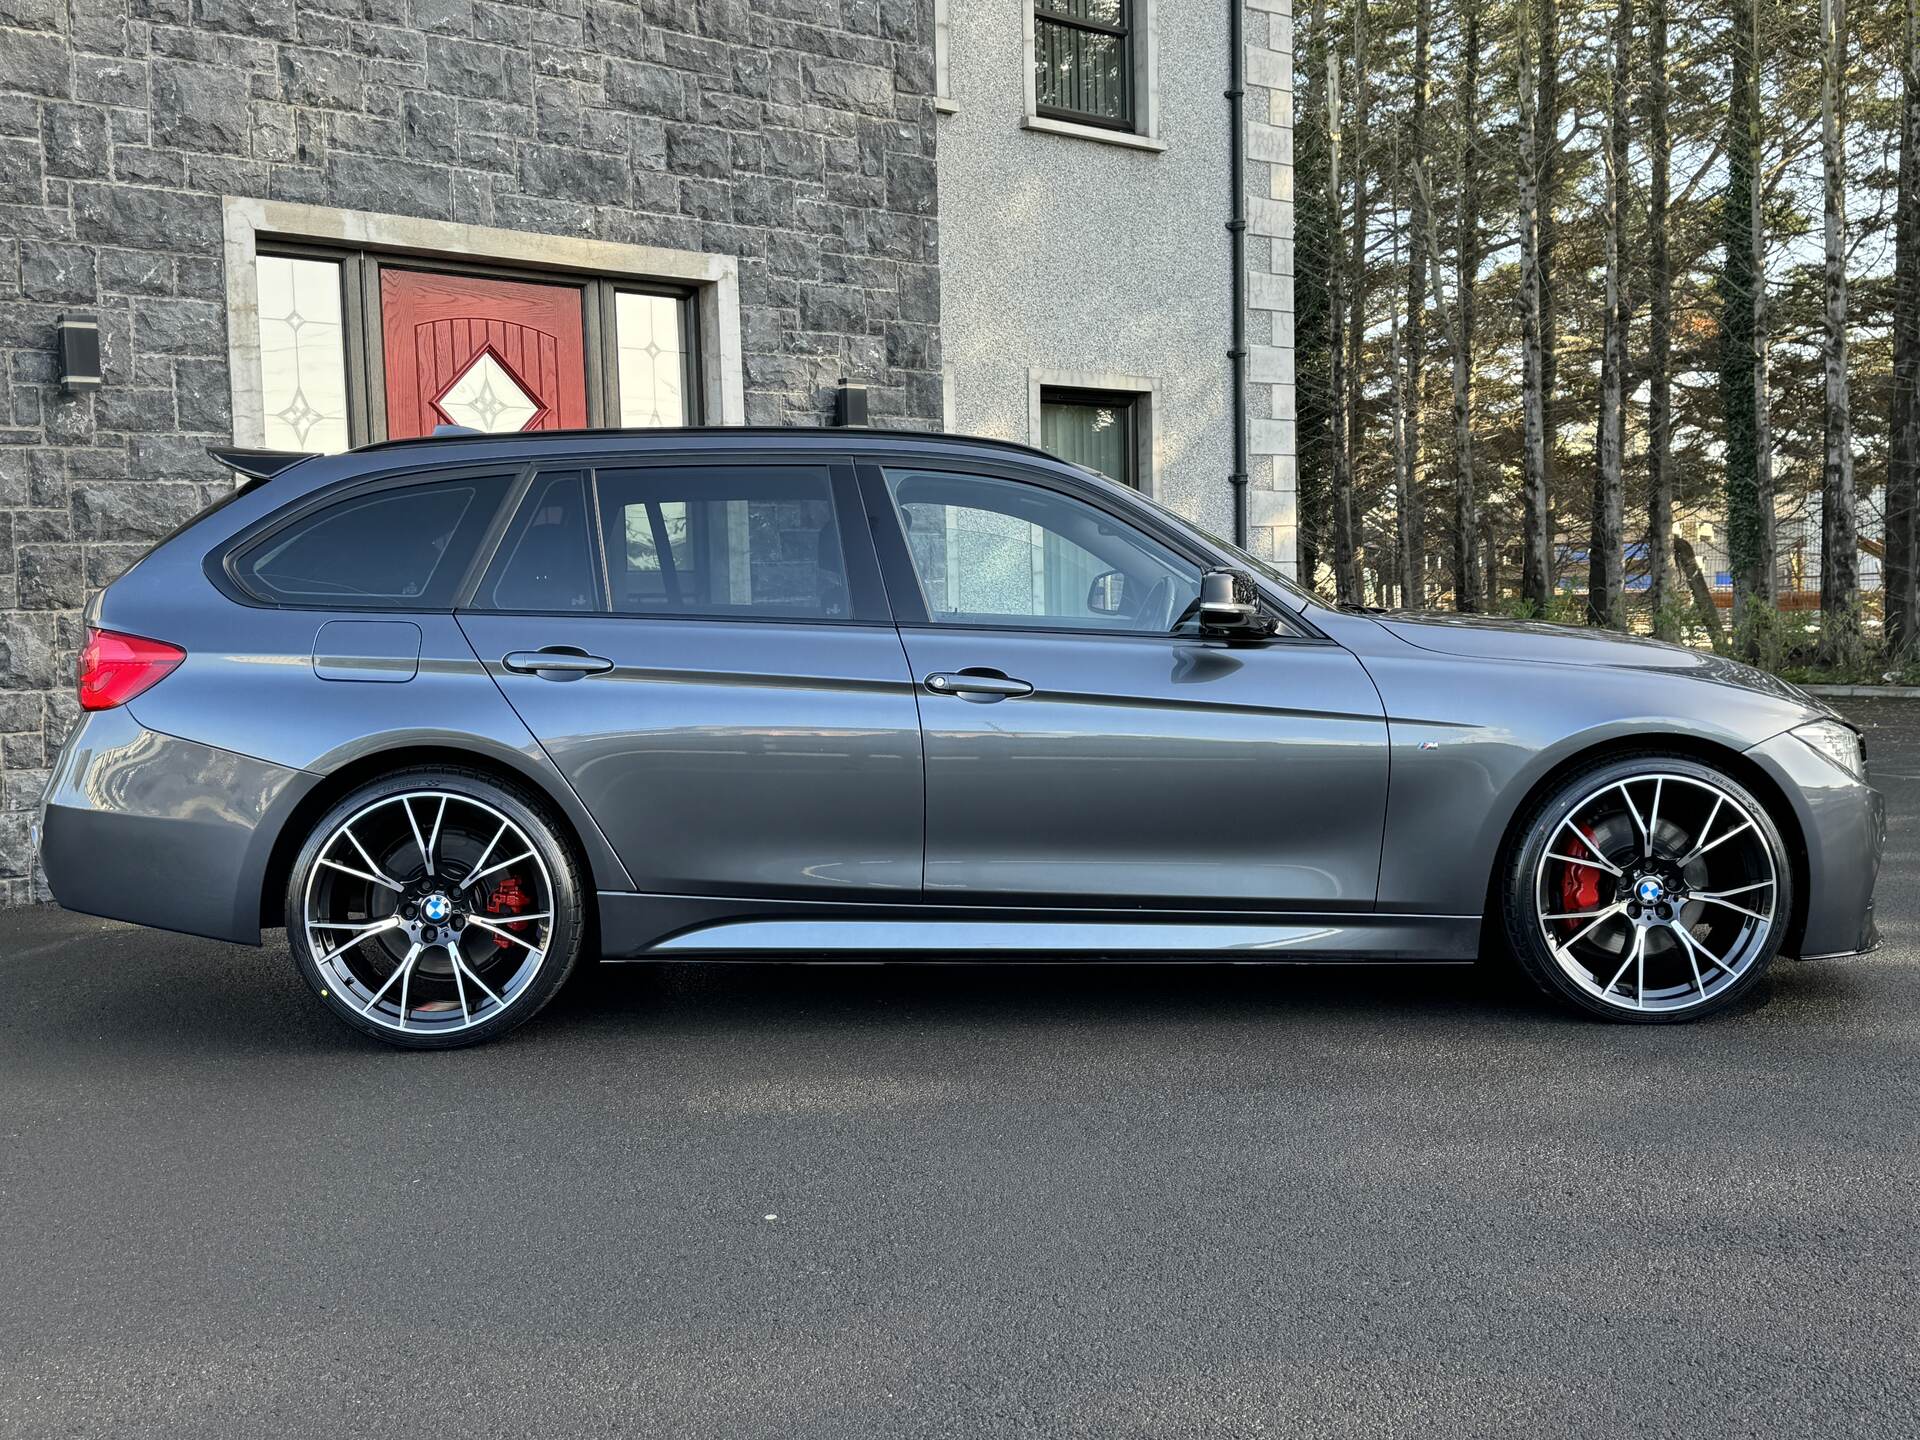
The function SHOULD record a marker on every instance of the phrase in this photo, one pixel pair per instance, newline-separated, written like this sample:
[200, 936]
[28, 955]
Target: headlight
[1839, 743]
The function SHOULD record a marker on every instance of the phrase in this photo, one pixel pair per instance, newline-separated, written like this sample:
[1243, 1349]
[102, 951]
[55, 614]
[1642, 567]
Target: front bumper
[140, 826]
[1843, 826]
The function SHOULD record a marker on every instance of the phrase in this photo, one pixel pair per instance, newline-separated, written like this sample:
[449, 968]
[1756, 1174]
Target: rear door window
[748, 543]
[401, 548]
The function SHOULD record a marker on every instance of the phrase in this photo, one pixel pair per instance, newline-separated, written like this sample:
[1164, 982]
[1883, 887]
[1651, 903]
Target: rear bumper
[160, 831]
[1843, 825]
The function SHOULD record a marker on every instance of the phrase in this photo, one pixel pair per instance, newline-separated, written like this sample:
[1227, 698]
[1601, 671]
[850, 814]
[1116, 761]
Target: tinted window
[399, 549]
[723, 541]
[1000, 552]
[546, 561]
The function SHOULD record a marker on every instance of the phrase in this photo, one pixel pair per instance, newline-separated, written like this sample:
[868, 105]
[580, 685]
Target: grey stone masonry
[795, 135]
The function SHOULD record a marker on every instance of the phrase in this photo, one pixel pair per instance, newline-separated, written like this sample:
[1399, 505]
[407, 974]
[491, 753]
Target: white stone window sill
[1126, 139]
[944, 105]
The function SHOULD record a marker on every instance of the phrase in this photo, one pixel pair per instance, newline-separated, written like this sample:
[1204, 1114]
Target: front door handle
[556, 662]
[977, 685]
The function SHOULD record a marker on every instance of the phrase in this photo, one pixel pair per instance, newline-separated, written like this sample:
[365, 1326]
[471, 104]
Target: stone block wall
[797, 135]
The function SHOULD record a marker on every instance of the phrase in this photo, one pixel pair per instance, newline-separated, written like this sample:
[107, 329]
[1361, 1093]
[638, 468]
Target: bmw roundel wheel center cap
[1652, 894]
[438, 909]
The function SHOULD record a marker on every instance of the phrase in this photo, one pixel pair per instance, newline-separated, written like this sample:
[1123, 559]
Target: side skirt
[635, 927]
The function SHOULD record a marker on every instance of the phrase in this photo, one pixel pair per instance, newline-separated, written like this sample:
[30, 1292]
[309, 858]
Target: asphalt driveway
[749, 1201]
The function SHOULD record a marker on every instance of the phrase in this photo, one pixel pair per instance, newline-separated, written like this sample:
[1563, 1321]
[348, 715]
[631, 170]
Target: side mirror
[1107, 595]
[1230, 604]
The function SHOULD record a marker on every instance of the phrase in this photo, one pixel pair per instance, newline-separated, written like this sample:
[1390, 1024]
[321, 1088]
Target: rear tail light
[114, 667]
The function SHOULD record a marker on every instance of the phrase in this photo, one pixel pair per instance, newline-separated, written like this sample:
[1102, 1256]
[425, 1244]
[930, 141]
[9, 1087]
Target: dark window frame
[1137, 421]
[366, 347]
[1127, 120]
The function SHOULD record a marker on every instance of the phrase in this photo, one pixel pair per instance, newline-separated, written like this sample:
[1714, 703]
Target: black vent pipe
[1237, 229]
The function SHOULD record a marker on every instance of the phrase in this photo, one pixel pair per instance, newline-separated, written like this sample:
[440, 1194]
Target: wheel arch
[1764, 787]
[576, 830]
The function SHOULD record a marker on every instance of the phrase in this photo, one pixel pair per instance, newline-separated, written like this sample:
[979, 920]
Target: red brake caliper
[507, 898]
[1580, 886]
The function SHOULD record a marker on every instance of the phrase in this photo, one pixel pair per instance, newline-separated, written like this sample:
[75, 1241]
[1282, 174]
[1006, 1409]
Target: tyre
[434, 908]
[1648, 889]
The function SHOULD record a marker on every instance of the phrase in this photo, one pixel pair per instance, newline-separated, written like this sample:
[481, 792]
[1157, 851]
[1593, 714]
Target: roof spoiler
[256, 465]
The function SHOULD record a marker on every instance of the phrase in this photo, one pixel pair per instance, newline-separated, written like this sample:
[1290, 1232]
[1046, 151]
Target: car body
[850, 768]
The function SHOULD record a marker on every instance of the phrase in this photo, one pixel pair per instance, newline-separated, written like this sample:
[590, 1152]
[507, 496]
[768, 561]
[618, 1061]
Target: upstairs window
[1083, 61]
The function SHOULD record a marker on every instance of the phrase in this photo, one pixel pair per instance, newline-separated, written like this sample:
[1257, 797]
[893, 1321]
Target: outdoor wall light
[78, 336]
[850, 404]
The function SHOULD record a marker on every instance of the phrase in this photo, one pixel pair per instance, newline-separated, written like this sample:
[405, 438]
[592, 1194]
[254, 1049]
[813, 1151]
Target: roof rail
[445, 433]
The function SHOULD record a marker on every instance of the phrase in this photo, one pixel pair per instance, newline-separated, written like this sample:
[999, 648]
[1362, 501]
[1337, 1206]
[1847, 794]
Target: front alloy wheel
[1651, 889]
[434, 909]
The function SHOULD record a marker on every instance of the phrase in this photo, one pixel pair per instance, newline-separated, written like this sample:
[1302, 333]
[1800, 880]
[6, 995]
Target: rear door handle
[977, 685]
[556, 662]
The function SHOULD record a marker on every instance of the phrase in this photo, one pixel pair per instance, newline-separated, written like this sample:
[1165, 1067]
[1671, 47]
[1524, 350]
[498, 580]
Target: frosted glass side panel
[652, 354]
[303, 354]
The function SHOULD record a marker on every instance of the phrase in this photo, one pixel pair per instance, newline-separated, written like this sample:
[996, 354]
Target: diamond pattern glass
[486, 397]
[303, 355]
[652, 356]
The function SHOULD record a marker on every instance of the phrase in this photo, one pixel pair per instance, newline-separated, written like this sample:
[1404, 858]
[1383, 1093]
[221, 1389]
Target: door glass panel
[652, 353]
[1001, 552]
[546, 562]
[303, 354]
[723, 542]
[404, 549]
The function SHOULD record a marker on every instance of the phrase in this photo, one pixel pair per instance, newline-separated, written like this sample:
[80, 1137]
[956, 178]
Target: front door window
[999, 552]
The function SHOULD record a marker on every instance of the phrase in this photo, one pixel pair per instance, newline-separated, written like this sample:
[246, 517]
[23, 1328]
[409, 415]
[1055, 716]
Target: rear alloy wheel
[434, 909]
[1651, 889]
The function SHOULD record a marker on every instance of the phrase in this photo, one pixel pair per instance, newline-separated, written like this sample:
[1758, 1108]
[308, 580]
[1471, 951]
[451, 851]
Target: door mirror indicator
[1107, 595]
[1230, 605]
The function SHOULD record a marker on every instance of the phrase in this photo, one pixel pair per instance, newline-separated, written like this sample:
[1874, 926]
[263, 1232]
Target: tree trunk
[1413, 565]
[1466, 518]
[1357, 279]
[1839, 539]
[1742, 375]
[1660, 592]
[1606, 594]
[1902, 568]
[1535, 569]
[1346, 554]
[1402, 569]
[1547, 181]
[1316, 259]
[1703, 600]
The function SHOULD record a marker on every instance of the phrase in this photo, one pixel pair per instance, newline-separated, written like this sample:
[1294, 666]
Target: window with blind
[1097, 431]
[1083, 61]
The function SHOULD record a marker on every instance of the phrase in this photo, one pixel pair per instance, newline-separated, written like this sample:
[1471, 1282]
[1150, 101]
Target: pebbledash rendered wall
[795, 135]
[1078, 258]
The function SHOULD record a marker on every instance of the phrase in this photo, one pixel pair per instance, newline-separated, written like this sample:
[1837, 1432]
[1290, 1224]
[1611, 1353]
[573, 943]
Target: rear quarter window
[397, 548]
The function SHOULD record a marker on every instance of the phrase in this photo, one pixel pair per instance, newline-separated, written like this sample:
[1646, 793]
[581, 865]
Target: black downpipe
[1237, 229]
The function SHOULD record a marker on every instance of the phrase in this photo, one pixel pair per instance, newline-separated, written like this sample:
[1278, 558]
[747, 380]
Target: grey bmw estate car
[459, 711]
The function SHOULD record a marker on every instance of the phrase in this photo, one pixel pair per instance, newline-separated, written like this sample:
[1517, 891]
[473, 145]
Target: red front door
[494, 355]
